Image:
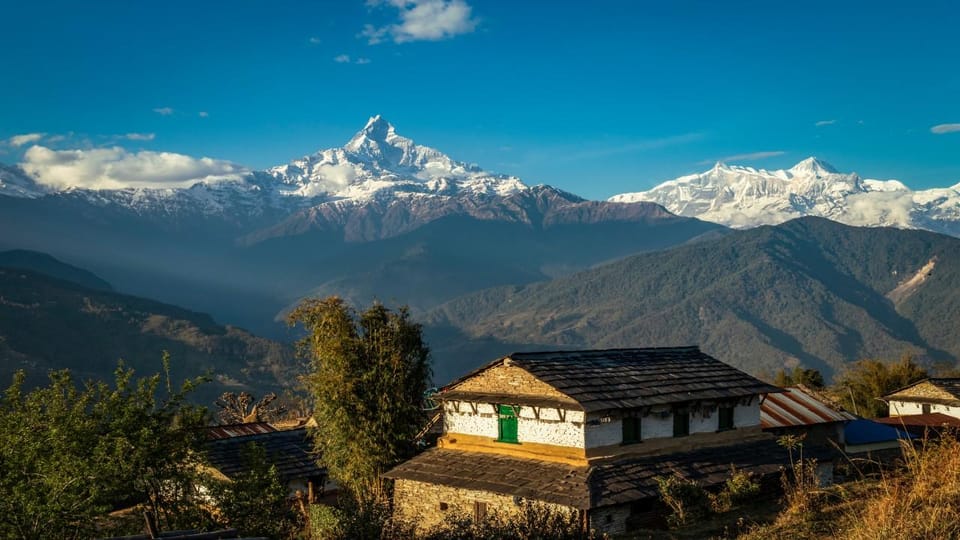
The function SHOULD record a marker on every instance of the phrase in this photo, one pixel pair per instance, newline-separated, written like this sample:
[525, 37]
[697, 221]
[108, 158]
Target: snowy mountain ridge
[744, 197]
[376, 164]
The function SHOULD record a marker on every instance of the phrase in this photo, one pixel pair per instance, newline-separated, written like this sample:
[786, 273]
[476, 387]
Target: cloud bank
[116, 168]
[423, 20]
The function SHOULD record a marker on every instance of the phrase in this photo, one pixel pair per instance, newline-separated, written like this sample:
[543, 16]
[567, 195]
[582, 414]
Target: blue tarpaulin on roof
[863, 431]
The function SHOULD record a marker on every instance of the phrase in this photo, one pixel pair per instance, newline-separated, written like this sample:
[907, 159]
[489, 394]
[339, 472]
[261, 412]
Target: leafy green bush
[686, 499]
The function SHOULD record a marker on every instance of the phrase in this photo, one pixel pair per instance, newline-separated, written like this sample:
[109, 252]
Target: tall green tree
[861, 386]
[369, 373]
[69, 452]
[809, 377]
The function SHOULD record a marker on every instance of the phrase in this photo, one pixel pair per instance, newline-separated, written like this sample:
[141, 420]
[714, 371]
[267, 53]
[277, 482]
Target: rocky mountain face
[744, 197]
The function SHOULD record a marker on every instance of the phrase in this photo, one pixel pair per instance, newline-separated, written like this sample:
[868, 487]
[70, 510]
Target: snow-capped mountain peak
[746, 197]
[812, 166]
[378, 162]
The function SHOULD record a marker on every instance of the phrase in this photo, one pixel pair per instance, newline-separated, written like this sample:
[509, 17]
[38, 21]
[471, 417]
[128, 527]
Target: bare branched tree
[242, 408]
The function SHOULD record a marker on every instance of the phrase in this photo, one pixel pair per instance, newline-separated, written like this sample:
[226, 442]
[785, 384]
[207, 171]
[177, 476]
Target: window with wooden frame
[681, 422]
[631, 429]
[925, 408]
[724, 418]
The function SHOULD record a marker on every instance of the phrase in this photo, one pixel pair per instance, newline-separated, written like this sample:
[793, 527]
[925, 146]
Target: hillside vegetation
[810, 292]
[48, 324]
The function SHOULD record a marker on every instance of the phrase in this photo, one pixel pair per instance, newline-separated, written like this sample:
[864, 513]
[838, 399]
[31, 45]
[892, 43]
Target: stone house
[934, 395]
[588, 431]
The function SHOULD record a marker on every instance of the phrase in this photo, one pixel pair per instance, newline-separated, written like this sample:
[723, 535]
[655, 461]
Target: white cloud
[888, 208]
[750, 156]
[346, 59]
[424, 20]
[314, 40]
[163, 111]
[26, 138]
[822, 123]
[140, 136]
[940, 129]
[203, 114]
[116, 168]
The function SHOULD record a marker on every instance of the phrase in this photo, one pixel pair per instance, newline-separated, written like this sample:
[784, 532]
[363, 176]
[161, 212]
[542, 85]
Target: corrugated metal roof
[795, 407]
[238, 430]
[922, 420]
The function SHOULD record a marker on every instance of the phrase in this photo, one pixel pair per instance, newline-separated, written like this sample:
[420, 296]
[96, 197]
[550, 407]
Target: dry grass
[918, 502]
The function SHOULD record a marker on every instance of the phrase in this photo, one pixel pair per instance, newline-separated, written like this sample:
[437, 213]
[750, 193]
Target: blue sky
[594, 97]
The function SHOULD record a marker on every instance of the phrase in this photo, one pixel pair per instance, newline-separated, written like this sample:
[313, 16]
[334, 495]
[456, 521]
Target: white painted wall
[548, 429]
[574, 432]
[904, 408]
[603, 434]
[747, 415]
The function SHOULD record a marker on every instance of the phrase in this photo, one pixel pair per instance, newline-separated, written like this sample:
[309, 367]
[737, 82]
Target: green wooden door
[508, 423]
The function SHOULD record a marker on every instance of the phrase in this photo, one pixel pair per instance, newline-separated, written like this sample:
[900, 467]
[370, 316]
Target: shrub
[686, 499]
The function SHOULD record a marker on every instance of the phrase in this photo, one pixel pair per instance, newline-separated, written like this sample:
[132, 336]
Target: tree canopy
[369, 372]
[862, 384]
[70, 453]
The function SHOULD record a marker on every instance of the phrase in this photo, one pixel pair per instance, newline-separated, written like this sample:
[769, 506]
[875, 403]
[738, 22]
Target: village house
[588, 431]
[935, 395]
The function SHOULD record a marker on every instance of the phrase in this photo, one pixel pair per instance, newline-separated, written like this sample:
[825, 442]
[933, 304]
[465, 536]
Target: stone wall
[429, 505]
[510, 380]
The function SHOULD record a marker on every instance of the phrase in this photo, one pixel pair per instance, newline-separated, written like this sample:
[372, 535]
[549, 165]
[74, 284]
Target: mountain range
[380, 217]
[808, 292]
[744, 197]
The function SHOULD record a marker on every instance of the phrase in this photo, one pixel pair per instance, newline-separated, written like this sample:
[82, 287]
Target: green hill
[810, 291]
[48, 323]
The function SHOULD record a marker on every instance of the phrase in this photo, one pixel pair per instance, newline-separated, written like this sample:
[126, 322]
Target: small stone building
[588, 431]
[935, 395]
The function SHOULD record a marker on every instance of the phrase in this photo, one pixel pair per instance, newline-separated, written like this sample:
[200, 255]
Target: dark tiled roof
[237, 430]
[291, 451]
[633, 378]
[608, 483]
[631, 479]
[540, 480]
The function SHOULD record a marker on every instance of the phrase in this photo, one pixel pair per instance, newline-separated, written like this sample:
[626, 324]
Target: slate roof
[950, 385]
[608, 483]
[291, 451]
[236, 430]
[799, 406]
[635, 378]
